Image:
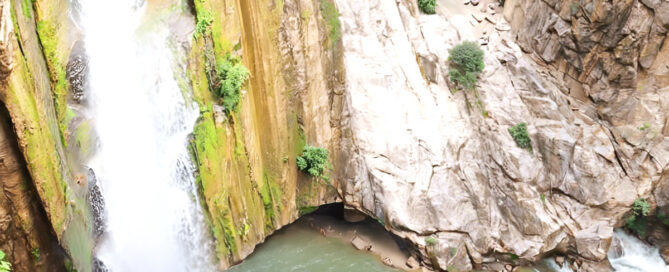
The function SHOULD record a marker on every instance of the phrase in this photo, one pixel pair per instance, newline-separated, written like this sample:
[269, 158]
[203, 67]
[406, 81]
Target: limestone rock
[569, 191]
[360, 244]
[412, 262]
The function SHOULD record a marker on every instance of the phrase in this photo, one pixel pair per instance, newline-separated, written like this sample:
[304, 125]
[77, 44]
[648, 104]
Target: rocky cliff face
[431, 162]
[47, 206]
[26, 235]
[370, 83]
[246, 160]
[612, 57]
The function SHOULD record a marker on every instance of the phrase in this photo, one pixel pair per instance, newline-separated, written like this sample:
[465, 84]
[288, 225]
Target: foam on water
[153, 218]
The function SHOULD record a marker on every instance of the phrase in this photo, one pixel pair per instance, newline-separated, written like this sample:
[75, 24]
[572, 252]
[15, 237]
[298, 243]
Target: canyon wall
[51, 204]
[439, 165]
[368, 80]
[246, 160]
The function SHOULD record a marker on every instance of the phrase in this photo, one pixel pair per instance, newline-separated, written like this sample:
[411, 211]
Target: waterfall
[154, 221]
[634, 255]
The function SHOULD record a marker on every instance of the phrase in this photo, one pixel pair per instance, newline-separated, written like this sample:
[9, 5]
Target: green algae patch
[36, 141]
[40, 118]
[245, 157]
[331, 18]
[82, 137]
[27, 8]
[48, 38]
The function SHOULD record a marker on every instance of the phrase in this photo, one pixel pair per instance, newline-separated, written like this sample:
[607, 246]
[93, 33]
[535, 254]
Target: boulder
[360, 244]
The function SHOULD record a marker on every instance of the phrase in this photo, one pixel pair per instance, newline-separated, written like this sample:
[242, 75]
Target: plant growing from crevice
[636, 222]
[521, 136]
[430, 241]
[36, 255]
[427, 6]
[331, 17]
[204, 20]
[314, 161]
[5, 266]
[466, 63]
[232, 75]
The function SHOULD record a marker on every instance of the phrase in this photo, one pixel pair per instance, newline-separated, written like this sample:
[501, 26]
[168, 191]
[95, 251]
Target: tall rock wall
[246, 160]
[26, 235]
[56, 212]
[612, 56]
[432, 162]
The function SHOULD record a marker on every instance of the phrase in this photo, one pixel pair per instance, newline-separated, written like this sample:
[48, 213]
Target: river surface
[299, 247]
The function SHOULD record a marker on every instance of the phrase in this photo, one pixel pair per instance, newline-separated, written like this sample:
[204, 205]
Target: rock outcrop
[431, 162]
[26, 235]
[588, 77]
[47, 205]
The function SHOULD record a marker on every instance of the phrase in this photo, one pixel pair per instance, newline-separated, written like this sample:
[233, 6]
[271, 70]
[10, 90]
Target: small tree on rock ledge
[427, 6]
[314, 160]
[466, 63]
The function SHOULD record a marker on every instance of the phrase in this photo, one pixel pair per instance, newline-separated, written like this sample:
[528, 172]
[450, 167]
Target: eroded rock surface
[429, 161]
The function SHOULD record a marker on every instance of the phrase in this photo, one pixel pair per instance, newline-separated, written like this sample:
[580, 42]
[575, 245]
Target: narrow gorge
[282, 135]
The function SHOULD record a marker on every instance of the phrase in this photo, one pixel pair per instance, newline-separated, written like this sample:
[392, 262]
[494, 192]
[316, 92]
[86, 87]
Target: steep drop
[153, 218]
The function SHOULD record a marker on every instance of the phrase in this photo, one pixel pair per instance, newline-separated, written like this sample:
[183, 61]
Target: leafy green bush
[641, 207]
[466, 61]
[204, 20]
[520, 135]
[636, 222]
[232, 74]
[314, 160]
[5, 266]
[430, 241]
[427, 6]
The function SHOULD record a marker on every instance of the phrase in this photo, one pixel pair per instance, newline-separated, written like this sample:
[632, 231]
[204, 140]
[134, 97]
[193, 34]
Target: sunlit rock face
[429, 161]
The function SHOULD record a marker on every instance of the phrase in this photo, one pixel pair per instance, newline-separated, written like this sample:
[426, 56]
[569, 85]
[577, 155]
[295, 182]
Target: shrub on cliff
[637, 222]
[314, 160]
[466, 63]
[427, 6]
[5, 266]
[520, 135]
[204, 20]
[232, 75]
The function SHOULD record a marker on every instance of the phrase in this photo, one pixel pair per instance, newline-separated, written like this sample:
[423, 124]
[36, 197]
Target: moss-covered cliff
[246, 159]
[35, 96]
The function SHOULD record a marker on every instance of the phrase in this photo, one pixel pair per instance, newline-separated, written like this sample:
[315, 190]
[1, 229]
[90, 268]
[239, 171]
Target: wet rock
[99, 266]
[664, 253]
[77, 72]
[220, 116]
[559, 260]
[360, 244]
[387, 261]
[412, 262]
[96, 204]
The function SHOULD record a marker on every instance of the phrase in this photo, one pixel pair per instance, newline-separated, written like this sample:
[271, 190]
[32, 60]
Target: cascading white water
[631, 255]
[153, 219]
[635, 256]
